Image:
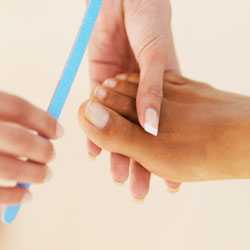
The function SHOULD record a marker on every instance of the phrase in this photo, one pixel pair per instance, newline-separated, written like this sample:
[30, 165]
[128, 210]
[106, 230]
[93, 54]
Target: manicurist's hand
[25, 146]
[204, 132]
[132, 36]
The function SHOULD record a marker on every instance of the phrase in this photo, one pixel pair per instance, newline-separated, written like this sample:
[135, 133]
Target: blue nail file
[64, 86]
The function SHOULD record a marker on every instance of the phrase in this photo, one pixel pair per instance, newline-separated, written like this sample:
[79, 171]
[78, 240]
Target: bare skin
[25, 146]
[118, 45]
[204, 132]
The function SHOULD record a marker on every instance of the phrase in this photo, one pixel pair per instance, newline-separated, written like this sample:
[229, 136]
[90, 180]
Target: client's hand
[204, 132]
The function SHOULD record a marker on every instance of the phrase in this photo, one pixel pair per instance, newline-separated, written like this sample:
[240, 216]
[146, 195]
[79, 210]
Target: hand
[204, 132]
[25, 147]
[133, 36]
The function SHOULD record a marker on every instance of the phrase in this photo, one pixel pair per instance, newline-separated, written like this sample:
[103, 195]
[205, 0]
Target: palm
[110, 52]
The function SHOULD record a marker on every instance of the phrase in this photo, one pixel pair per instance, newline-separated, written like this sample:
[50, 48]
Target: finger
[140, 181]
[93, 149]
[113, 132]
[149, 98]
[17, 110]
[123, 104]
[175, 78]
[124, 87]
[11, 196]
[153, 46]
[22, 171]
[173, 187]
[119, 167]
[127, 84]
[19, 142]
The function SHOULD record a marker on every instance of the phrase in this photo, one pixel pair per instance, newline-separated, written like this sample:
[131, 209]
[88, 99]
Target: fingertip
[93, 150]
[59, 130]
[151, 123]
[140, 181]
[173, 187]
[119, 168]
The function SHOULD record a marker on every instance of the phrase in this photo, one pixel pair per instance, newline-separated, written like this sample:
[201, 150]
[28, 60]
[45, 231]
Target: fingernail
[118, 183]
[59, 131]
[91, 157]
[122, 77]
[139, 201]
[49, 176]
[27, 198]
[173, 190]
[110, 83]
[133, 78]
[100, 93]
[97, 115]
[151, 121]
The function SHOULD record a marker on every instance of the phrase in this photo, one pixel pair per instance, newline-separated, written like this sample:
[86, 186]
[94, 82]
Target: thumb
[152, 43]
[149, 96]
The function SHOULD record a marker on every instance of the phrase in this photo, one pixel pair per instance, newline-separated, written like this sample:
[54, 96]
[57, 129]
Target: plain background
[81, 208]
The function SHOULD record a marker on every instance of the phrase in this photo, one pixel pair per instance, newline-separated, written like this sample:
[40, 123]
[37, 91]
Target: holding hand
[134, 36]
[25, 147]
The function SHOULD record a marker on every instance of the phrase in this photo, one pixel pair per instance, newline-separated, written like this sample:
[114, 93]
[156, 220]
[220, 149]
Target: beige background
[81, 208]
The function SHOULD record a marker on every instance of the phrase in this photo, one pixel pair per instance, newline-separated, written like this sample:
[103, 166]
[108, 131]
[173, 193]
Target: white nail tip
[97, 115]
[151, 130]
[122, 77]
[100, 93]
[151, 121]
[111, 83]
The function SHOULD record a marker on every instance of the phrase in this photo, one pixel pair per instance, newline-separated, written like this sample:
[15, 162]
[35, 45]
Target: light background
[81, 208]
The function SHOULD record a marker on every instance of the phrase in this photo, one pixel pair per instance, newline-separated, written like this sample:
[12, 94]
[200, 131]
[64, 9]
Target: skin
[118, 45]
[204, 132]
[25, 146]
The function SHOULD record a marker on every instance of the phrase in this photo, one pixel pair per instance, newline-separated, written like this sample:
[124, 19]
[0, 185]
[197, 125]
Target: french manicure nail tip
[97, 115]
[139, 201]
[100, 93]
[122, 77]
[173, 190]
[110, 83]
[151, 121]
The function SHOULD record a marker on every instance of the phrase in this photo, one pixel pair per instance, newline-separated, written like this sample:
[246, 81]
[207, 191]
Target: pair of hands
[131, 36]
[134, 36]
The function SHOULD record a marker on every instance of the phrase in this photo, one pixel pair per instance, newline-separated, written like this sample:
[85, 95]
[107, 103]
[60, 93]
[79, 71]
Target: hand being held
[134, 36]
[204, 132]
[25, 146]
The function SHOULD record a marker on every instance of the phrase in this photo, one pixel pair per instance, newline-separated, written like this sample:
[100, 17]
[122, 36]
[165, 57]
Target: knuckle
[152, 50]
[153, 92]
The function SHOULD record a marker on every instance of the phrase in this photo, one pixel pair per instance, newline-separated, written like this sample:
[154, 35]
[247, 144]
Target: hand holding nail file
[66, 81]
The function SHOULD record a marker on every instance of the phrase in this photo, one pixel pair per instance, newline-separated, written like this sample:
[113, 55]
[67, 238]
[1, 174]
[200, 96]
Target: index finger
[17, 110]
